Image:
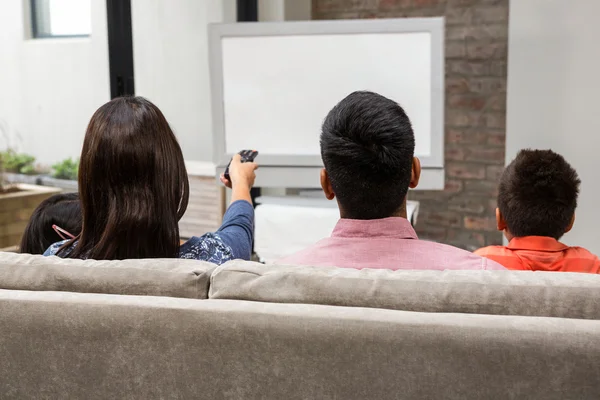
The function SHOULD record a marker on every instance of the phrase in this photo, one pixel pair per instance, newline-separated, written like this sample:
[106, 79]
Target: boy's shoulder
[492, 250]
[581, 252]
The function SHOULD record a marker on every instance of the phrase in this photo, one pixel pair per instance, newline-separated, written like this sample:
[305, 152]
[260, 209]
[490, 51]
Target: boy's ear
[571, 224]
[326, 185]
[415, 173]
[500, 222]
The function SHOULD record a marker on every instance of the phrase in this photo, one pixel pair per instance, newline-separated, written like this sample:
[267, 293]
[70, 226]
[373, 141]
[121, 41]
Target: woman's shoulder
[54, 248]
[208, 247]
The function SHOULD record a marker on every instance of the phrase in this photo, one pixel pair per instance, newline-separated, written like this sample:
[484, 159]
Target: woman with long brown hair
[133, 188]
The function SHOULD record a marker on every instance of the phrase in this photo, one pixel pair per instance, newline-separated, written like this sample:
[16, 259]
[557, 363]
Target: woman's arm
[237, 230]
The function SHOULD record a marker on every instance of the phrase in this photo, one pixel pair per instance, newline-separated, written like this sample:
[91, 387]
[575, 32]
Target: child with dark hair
[56, 218]
[536, 207]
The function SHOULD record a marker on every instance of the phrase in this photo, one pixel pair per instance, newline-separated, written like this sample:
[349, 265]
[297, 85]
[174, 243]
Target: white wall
[170, 47]
[553, 87]
[49, 88]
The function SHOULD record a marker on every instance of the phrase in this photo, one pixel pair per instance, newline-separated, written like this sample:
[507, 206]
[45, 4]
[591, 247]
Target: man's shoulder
[464, 259]
[310, 255]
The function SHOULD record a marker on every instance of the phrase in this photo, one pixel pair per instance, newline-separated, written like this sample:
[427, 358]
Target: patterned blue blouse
[232, 241]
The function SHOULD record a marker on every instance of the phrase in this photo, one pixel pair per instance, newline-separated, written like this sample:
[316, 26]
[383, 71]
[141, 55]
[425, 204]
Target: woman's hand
[242, 176]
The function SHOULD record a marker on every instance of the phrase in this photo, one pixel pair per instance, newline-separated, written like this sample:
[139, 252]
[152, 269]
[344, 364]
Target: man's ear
[415, 174]
[500, 222]
[571, 224]
[326, 185]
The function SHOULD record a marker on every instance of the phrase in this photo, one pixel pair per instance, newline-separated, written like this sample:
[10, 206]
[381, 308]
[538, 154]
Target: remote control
[247, 156]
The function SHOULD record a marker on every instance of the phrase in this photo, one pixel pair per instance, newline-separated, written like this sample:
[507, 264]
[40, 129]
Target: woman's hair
[133, 184]
[61, 210]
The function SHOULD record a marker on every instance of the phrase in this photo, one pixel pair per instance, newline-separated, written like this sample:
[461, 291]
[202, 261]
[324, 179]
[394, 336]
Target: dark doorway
[120, 48]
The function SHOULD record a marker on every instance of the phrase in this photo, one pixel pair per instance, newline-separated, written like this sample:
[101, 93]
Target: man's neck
[400, 213]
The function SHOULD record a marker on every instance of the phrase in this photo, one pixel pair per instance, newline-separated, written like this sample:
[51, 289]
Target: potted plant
[17, 200]
[19, 167]
[64, 175]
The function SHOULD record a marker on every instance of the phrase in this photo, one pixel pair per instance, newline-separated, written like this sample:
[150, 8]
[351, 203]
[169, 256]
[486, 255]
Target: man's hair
[367, 146]
[538, 194]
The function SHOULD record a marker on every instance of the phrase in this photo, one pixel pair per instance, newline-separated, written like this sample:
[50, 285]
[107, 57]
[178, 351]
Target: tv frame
[276, 169]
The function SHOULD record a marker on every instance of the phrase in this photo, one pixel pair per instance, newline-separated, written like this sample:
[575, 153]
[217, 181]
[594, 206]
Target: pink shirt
[389, 243]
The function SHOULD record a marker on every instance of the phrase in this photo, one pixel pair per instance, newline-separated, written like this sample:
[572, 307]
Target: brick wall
[476, 54]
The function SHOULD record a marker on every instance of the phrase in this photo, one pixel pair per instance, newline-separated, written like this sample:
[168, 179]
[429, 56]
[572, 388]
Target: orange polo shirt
[541, 253]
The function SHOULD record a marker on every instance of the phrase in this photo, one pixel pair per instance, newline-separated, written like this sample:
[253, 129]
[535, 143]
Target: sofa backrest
[94, 346]
[156, 277]
[545, 294]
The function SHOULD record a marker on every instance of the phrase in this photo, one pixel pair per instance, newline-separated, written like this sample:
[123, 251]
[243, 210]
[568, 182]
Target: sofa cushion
[94, 346]
[151, 277]
[549, 294]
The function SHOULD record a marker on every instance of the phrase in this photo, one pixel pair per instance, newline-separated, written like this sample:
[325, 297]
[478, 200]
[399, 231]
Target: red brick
[339, 15]
[469, 102]
[491, 206]
[461, 136]
[461, 118]
[344, 5]
[493, 172]
[441, 218]
[487, 50]
[494, 120]
[497, 139]
[388, 4]
[463, 3]
[490, 155]
[487, 85]
[456, 49]
[457, 85]
[467, 239]
[465, 170]
[453, 186]
[498, 68]
[481, 188]
[429, 232]
[494, 238]
[459, 16]
[427, 3]
[480, 223]
[426, 12]
[464, 67]
[455, 153]
[471, 205]
[477, 32]
[497, 102]
[498, 13]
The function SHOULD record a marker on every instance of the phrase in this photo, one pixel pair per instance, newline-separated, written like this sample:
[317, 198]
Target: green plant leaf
[66, 169]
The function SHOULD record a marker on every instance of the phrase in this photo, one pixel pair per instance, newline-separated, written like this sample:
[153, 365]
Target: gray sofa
[177, 329]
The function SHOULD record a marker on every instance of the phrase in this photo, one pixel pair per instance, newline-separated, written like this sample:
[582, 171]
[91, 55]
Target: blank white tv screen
[277, 90]
[274, 83]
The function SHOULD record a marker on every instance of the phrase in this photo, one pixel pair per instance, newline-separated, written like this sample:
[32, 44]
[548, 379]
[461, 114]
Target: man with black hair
[536, 206]
[367, 146]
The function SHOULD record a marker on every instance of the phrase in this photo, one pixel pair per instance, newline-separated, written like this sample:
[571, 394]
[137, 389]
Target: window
[61, 18]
